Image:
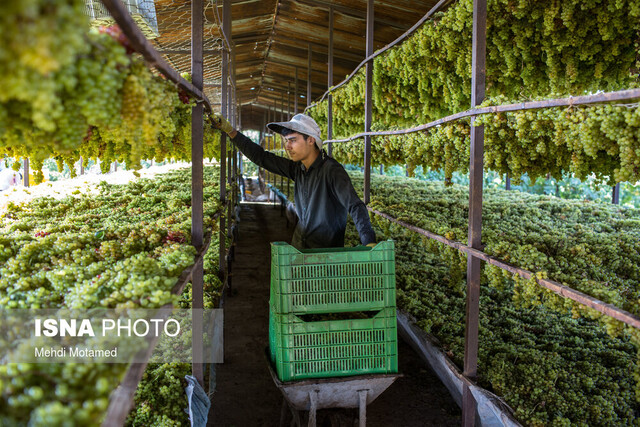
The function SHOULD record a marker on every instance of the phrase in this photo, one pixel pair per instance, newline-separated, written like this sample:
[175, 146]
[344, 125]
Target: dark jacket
[323, 196]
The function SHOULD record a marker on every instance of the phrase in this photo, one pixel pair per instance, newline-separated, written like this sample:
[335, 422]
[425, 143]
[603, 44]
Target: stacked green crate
[358, 282]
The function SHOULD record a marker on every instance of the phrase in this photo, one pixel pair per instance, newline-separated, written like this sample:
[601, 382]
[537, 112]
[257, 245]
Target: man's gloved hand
[221, 123]
[372, 245]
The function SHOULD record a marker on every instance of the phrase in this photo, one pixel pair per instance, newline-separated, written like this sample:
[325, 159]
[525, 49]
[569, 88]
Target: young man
[323, 190]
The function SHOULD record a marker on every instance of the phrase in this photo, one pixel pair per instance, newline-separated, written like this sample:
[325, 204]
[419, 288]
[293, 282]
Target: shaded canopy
[270, 38]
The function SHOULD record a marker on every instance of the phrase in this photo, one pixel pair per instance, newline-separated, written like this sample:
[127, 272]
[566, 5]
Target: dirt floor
[245, 393]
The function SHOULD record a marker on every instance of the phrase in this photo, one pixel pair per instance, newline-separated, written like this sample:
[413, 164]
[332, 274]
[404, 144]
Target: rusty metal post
[230, 101]
[281, 108]
[478, 76]
[295, 93]
[25, 166]
[266, 129]
[281, 177]
[329, 84]
[309, 74]
[197, 174]
[368, 102]
[226, 9]
[288, 100]
[261, 132]
[615, 197]
[508, 183]
[234, 154]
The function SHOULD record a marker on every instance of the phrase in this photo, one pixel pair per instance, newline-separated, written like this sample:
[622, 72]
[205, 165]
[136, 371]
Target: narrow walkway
[246, 395]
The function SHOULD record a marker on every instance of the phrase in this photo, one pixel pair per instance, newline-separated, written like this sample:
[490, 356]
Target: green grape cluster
[554, 362]
[588, 246]
[534, 51]
[32, 53]
[68, 91]
[160, 399]
[122, 248]
[49, 394]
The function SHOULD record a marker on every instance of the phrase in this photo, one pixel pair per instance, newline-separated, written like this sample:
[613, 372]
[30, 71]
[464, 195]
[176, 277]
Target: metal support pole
[197, 176]
[226, 9]
[362, 418]
[261, 136]
[25, 166]
[288, 100]
[615, 197]
[309, 75]
[234, 161]
[261, 131]
[368, 102]
[82, 166]
[508, 183]
[478, 75]
[329, 84]
[235, 187]
[230, 171]
[295, 94]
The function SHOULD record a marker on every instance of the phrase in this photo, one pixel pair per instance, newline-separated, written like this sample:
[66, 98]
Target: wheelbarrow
[343, 362]
[322, 393]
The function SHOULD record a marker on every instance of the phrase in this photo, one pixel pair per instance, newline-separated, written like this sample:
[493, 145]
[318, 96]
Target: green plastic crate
[334, 348]
[332, 280]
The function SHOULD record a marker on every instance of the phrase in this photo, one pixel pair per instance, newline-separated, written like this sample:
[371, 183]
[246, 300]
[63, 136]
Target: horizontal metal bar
[558, 288]
[434, 9]
[141, 45]
[622, 95]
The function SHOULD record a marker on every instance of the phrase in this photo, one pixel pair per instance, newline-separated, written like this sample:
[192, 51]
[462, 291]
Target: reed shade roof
[270, 37]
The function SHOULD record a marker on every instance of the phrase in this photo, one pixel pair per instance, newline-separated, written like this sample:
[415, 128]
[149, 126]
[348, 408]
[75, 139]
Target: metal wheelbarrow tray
[321, 393]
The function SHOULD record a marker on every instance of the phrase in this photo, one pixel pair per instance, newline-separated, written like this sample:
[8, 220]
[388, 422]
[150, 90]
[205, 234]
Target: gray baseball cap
[300, 123]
